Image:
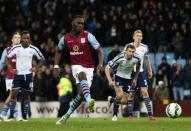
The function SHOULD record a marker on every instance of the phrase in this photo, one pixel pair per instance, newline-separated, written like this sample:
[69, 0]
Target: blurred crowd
[166, 26]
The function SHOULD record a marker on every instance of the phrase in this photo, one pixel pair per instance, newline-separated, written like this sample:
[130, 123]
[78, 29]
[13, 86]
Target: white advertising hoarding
[50, 110]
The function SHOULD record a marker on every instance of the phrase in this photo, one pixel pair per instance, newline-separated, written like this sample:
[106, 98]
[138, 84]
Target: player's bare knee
[119, 96]
[131, 96]
[124, 101]
[144, 92]
[82, 76]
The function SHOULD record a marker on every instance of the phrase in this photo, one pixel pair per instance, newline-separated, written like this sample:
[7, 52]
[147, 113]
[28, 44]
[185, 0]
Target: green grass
[100, 124]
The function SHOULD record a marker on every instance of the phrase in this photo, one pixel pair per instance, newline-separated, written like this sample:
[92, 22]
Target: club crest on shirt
[82, 40]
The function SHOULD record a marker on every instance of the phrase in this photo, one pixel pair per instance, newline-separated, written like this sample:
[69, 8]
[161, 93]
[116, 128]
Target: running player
[80, 45]
[122, 67]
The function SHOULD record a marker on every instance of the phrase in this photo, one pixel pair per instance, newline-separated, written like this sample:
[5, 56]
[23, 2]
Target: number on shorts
[31, 85]
[145, 82]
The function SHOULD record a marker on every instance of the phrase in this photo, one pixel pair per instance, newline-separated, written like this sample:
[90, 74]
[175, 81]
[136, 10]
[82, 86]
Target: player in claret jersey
[10, 65]
[80, 45]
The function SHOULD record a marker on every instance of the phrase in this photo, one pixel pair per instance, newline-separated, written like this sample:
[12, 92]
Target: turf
[100, 124]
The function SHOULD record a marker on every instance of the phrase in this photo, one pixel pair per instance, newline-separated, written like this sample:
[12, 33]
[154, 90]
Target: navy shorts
[142, 80]
[125, 84]
[23, 81]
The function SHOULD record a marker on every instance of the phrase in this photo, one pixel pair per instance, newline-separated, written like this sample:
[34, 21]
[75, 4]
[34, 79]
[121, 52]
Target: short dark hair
[77, 16]
[129, 46]
[25, 32]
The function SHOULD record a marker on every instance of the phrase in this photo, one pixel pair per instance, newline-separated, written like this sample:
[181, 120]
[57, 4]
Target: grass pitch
[100, 124]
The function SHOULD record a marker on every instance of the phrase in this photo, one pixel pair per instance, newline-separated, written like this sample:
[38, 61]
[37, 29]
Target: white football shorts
[9, 84]
[76, 69]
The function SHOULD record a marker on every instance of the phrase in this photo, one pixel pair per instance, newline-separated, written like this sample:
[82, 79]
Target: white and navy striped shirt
[123, 67]
[141, 51]
[24, 57]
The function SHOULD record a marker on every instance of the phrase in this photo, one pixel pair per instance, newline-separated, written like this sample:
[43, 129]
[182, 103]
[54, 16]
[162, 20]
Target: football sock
[26, 109]
[16, 111]
[5, 110]
[130, 106]
[11, 114]
[148, 105]
[77, 101]
[115, 106]
[85, 90]
[113, 99]
[13, 108]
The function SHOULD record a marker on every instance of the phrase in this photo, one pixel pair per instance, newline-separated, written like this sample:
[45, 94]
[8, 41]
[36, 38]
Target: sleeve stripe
[144, 45]
[113, 63]
[15, 47]
[121, 55]
[136, 58]
[38, 52]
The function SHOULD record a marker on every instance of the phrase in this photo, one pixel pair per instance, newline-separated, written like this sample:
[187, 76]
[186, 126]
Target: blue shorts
[125, 84]
[142, 80]
[23, 81]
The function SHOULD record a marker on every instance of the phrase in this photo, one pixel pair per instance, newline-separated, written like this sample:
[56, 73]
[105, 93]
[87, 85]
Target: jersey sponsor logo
[82, 40]
[76, 50]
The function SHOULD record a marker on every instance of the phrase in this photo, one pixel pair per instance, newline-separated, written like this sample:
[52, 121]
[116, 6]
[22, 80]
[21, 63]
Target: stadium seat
[153, 62]
[158, 57]
[182, 62]
[187, 93]
[105, 54]
[170, 57]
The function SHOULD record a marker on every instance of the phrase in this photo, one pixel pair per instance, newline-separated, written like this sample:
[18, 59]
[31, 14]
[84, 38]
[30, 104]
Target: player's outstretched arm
[57, 57]
[149, 68]
[138, 67]
[134, 82]
[39, 56]
[58, 53]
[41, 62]
[100, 59]
[3, 59]
[108, 75]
